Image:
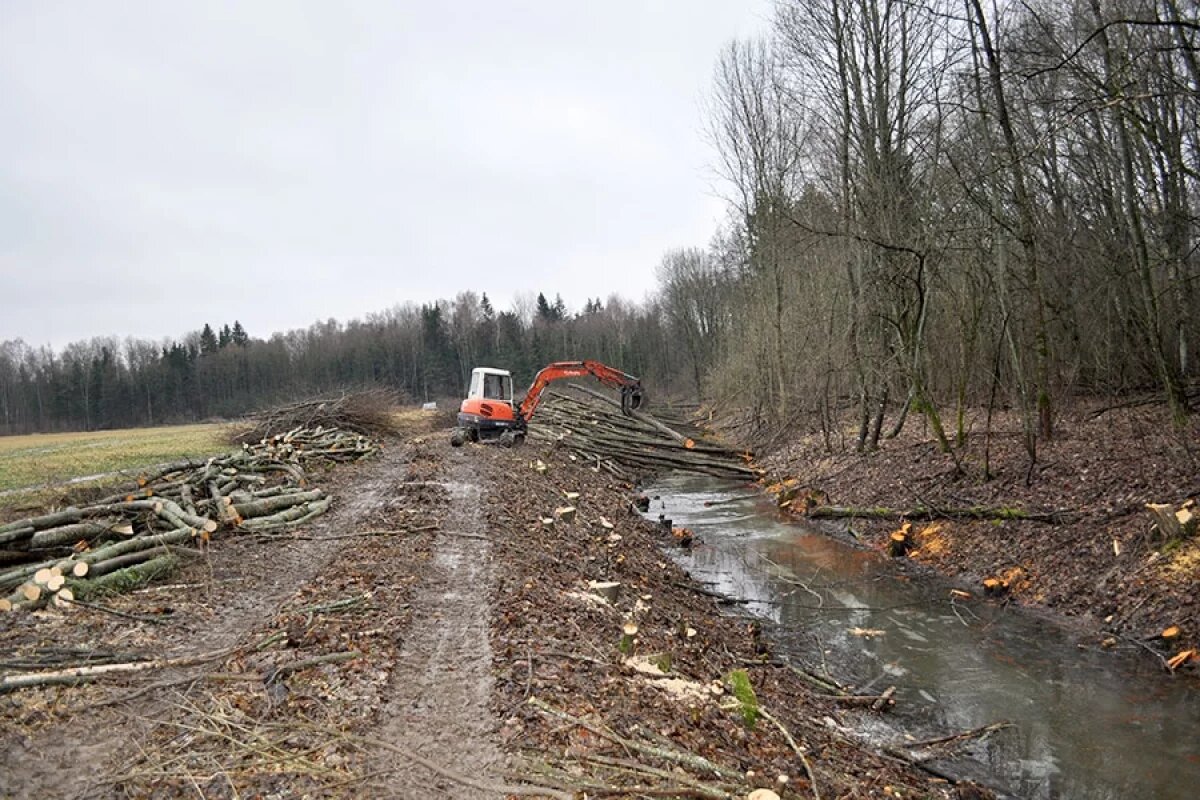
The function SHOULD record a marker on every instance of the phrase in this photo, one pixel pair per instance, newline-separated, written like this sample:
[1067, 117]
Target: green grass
[739, 683]
[38, 460]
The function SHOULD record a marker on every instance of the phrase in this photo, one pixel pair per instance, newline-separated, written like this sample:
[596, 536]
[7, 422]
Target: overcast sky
[166, 164]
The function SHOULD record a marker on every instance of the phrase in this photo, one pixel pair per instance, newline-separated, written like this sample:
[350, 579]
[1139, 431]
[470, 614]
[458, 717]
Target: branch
[1144, 23]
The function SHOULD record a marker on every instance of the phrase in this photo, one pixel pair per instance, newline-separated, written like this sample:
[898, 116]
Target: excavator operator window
[497, 387]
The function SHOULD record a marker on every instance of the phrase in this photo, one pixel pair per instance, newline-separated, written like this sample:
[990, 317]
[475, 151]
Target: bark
[272, 505]
[70, 534]
[927, 513]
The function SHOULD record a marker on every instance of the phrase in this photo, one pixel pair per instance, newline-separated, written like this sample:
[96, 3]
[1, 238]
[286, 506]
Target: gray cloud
[163, 164]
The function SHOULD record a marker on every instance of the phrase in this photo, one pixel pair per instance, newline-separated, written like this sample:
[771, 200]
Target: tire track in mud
[66, 758]
[442, 685]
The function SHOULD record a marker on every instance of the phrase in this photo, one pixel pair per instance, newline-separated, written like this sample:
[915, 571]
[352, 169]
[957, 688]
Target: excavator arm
[630, 387]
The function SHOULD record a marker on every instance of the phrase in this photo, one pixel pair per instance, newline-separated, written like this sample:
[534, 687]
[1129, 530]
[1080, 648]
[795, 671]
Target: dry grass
[38, 460]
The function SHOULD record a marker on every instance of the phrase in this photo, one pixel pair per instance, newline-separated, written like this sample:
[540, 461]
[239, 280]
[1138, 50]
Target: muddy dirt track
[433, 636]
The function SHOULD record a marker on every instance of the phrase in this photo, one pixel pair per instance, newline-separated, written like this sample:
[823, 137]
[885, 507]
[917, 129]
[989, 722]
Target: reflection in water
[1087, 724]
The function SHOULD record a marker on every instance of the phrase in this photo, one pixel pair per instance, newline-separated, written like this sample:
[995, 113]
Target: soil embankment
[431, 636]
[1100, 561]
[593, 705]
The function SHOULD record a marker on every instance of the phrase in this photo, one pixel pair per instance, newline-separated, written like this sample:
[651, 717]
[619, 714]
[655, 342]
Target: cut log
[125, 579]
[1174, 523]
[922, 512]
[178, 536]
[110, 565]
[291, 517]
[223, 506]
[1164, 518]
[640, 416]
[18, 534]
[884, 700]
[70, 534]
[44, 521]
[271, 505]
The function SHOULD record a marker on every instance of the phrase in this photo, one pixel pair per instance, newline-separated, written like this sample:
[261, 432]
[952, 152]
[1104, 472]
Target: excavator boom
[489, 411]
[630, 387]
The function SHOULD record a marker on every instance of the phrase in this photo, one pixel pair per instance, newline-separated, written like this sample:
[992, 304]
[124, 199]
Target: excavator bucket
[631, 398]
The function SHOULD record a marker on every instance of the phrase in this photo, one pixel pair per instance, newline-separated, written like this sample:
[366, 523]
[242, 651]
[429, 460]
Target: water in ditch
[1085, 723]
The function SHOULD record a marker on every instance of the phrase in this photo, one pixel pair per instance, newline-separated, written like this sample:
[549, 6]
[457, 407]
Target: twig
[679, 757]
[855, 699]
[136, 693]
[720, 598]
[328, 658]
[884, 699]
[85, 674]
[290, 537]
[636, 767]
[980, 732]
[336, 605]
[270, 640]
[1161, 658]
[449, 774]
[461, 535]
[808, 770]
[115, 612]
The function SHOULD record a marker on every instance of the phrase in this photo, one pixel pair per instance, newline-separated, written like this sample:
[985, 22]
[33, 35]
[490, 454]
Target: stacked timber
[595, 430]
[368, 412]
[135, 536]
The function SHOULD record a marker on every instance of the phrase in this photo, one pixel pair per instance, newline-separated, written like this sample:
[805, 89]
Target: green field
[38, 460]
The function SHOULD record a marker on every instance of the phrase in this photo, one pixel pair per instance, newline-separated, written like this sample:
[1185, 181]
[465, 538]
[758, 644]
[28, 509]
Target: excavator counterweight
[490, 412]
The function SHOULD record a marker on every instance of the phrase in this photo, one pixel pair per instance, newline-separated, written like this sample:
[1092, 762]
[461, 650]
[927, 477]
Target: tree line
[939, 204]
[934, 205]
[426, 351]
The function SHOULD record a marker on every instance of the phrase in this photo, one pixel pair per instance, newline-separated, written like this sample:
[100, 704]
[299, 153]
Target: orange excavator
[489, 412]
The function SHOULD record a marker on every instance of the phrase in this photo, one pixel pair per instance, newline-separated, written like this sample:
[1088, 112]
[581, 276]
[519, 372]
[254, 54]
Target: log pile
[369, 412]
[133, 537]
[629, 445]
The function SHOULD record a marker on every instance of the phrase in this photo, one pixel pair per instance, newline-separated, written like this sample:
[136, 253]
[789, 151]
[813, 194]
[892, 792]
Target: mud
[58, 749]
[393, 648]
[441, 686]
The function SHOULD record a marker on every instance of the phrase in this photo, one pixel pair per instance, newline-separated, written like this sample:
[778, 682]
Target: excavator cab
[491, 384]
[488, 411]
